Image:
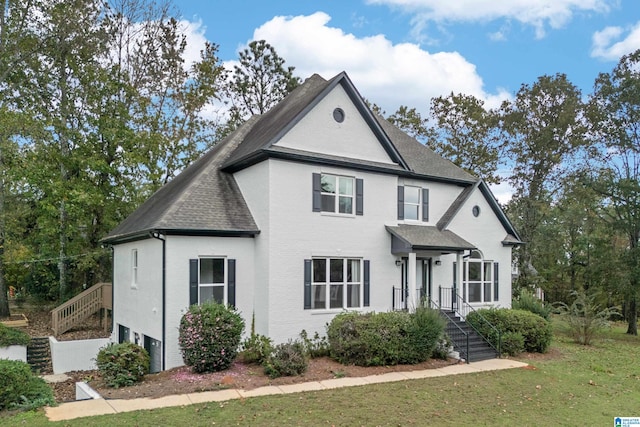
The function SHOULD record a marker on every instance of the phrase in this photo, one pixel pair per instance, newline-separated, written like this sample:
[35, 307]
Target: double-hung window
[212, 279]
[134, 268]
[211, 282]
[336, 283]
[413, 203]
[338, 194]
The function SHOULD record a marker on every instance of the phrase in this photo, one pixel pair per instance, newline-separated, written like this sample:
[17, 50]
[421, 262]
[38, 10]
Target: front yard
[571, 385]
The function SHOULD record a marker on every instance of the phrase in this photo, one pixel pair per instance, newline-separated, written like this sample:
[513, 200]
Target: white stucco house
[315, 207]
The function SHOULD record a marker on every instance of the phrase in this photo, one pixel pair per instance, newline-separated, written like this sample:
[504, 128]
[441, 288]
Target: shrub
[424, 332]
[256, 348]
[287, 359]
[527, 301]
[376, 339]
[11, 336]
[20, 388]
[315, 347]
[512, 343]
[443, 347]
[122, 364]
[368, 339]
[209, 336]
[585, 318]
[536, 331]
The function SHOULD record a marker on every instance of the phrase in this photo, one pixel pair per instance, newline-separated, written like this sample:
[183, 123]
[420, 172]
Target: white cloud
[194, 32]
[613, 42]
[536, 13]
[387, 74]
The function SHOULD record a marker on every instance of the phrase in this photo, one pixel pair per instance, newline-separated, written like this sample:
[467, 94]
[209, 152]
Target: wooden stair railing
[81, 307]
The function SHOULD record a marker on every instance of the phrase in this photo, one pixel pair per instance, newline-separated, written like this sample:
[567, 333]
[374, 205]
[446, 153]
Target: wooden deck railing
[81, 307]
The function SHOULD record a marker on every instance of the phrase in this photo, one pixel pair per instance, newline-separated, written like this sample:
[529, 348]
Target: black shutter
[455, 274]
[359, 197]
[316, 192]
[496, 285]
[307, 284]
[367, 286]
[193, 281]
[425, 204]
[231, 282]
[400, 202]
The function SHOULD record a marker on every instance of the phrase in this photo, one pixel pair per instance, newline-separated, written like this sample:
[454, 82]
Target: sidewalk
[89, 408]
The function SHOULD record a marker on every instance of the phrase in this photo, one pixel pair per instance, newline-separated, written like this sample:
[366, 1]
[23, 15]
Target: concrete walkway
[89, 408]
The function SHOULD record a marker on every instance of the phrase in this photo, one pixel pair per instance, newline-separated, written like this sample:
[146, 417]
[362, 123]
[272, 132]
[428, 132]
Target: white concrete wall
[138, 307]
[79, 355]
[318, 132]
[180, 249]
[14, 352]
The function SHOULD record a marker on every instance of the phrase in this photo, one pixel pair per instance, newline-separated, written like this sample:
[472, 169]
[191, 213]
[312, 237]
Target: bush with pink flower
[209, 336]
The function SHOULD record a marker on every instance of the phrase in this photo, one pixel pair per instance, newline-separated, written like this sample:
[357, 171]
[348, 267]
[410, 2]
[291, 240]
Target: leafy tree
[544, 128]
[258, 82]
[615, 115]
[467, 134]
[410, 121]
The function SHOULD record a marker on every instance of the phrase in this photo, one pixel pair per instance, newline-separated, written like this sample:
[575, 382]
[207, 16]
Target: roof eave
[146, 234]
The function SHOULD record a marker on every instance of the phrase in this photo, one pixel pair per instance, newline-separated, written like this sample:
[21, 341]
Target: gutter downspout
[158, 236]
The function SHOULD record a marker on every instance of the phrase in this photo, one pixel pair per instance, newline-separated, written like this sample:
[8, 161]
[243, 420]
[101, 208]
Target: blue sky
[404, 52]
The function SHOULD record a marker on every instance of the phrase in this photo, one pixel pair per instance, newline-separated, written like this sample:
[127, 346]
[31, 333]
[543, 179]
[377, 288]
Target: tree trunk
[4, 300]
[633, 315]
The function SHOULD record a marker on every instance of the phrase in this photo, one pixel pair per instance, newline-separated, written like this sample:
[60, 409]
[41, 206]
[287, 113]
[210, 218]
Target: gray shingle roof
[421, 237]
[205, 198]
[201, 199]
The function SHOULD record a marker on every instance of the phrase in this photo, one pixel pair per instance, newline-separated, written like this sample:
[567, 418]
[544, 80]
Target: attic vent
[338, 115]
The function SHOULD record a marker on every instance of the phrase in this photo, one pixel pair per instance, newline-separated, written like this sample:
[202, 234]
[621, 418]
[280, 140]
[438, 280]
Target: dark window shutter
[496, 282]
[359, 197]
[455, 274]
[307, 284]
[316, 190]
[367, 285]
[193, 281]
[425, 204]
[400, 202]
[231, 282]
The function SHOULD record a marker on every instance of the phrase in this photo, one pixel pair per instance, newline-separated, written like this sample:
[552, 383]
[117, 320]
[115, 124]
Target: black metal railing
[452, 301]
[400, 298]
[459, 337]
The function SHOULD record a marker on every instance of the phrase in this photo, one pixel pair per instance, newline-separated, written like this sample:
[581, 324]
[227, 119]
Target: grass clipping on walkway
[572, 385]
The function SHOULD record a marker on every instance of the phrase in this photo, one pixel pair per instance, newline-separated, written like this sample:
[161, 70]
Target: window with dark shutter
[425, 204]
[359, 197]
[307, 284]
[496, 282]
[366, 284]
[231, 282]
[400, 202]
[317, 192]
[193, 281]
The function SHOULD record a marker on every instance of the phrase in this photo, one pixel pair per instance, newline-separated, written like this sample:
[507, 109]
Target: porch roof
[410, 238]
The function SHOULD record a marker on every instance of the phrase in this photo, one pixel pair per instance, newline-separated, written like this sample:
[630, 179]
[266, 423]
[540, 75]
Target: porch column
[411, 283]
[459, 273]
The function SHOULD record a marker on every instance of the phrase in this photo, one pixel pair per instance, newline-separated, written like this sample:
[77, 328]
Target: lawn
[577, 386]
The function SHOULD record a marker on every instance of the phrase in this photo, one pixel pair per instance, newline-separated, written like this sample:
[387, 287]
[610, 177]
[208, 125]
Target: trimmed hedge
[20, 388]
[209, 336]
[535, 331]
[391, 338]
[11, 336]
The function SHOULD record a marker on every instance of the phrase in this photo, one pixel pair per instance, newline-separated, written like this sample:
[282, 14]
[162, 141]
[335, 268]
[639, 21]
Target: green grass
[580, 386]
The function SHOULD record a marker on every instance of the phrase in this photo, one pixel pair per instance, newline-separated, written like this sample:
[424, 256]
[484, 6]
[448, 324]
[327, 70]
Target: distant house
[316, 207]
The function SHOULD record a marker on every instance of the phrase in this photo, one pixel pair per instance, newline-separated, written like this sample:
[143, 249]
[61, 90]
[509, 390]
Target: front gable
[335, 126]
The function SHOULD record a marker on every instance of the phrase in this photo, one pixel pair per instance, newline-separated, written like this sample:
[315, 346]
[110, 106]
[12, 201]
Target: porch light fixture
[398, 263]
[438, 262]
